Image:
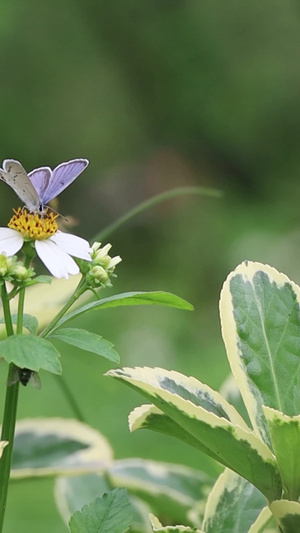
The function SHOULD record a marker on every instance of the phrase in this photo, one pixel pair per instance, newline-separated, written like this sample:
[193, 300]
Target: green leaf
[72, 492]
[110, 514]
[90, 342]
[39, 279]
[29, 351]
[48, 446]
[285, 436]
[30, 322]
[150, 417]
[129, 298]
[235, 446]
[233, 505]
[287, 515]
[169, 489]
[260, 325]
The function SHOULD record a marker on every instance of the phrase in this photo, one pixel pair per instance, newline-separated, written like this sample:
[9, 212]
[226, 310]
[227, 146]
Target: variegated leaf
[182, 399]
[260, 325]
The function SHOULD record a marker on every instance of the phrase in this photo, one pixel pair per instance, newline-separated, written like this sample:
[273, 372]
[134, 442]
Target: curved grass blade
[157, 199]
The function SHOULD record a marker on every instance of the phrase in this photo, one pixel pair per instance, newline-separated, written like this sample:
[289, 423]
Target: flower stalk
[9, 417]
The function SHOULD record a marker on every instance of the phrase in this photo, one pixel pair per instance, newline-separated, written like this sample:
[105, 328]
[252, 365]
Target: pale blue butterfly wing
[40, 178]
[62, 176]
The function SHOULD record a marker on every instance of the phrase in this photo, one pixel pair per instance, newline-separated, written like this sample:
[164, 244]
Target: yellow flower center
[34, 227]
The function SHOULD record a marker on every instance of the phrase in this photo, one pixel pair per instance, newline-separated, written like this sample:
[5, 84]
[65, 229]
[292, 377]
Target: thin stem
[60, 380]
[20, 311]
[6, 311]
[158, 198]
[71, 399]
[9, 418]
[78, 292]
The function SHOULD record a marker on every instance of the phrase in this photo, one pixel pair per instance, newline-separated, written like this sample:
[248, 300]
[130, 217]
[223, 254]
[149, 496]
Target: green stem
[81, 287]
[20, 311]
[158, 198]
[6, 311]
[9, 418]
[70, 398]
[7, 434]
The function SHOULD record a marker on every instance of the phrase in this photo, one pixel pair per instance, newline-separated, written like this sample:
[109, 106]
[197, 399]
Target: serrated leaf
[30, 322]
[287, 515]
[130, 298]
[110, 514]
[260, 325]
[236, 447]
[29, 351]
[285, 437]
[73, 492]
[48, 446]
[88, 341]
[233, 505]
[169, 489]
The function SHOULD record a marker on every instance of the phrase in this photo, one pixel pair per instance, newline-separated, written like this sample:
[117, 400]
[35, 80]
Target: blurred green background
[156, 95]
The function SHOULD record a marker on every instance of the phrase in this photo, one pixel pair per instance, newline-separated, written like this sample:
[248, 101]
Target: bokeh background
[156, 94]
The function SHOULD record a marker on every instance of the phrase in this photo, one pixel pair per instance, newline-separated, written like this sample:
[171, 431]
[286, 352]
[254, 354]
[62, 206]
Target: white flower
[55, 252]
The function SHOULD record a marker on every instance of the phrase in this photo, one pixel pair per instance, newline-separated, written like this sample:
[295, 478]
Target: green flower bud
[98, 273]
[3, 265]
[21, 273]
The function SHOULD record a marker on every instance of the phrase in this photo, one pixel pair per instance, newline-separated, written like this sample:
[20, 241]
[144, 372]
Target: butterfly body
[41, 185]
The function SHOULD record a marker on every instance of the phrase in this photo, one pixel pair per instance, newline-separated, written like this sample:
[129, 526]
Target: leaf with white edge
[29, 351]
[130, 298]
[157, 527]
[73, 492]
[287, 515]
[229, 391]
[188, 388]
[110, 514]
[30, 322]
[51, 446]
[150, 417]
[265, 519]
[181, 398]
[285, 437]
[233, 505]
[260, 325]
[88, 341]
[168, 488]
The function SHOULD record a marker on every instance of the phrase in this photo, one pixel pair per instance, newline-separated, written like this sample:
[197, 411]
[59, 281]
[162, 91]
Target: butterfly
[41, 185]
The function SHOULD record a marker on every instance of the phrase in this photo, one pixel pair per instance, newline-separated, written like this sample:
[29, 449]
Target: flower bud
[98, 273]
[21, 273]
[3, 265]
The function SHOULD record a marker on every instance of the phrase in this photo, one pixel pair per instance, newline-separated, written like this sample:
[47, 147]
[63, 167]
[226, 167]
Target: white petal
[73, 245]
[58, 262]
[11, 241]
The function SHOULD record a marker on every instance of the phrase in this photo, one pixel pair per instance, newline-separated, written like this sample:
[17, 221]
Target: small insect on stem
[25, 376]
